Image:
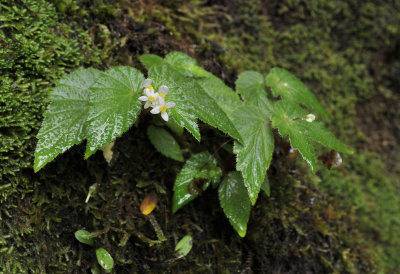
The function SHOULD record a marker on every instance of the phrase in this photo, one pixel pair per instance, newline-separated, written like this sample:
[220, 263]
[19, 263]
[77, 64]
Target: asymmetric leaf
[165, 143]
[235, 202]
[223, 95]
[201, 165]
[288, 118]
[191, 99]
[255, 153]
[150, 60]
[290, 88]
[185, 64]
[64, 124]
[114, 106]
[250, 85]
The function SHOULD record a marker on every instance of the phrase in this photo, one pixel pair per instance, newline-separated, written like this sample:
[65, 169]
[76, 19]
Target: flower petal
[147, 105]
[160, 100]
[155, 110]
[143, 98]
[147, 82]
[170, 104]
[163, 89]
[148, 92]
[164, 115]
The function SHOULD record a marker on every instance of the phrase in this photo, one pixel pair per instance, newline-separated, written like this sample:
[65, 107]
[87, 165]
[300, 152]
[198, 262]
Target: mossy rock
[306, 222]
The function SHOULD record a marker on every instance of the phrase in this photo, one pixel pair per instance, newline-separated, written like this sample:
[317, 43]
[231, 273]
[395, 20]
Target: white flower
[309, 117]
[163, 91]
[147, 83]
[163, 109]
[150, 97]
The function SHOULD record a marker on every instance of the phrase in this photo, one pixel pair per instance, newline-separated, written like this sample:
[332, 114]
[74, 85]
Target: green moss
[36, 49]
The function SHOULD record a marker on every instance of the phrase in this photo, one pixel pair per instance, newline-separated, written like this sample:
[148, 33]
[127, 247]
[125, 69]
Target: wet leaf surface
[104, 259]
[287, 118]
[201, 165]
[114, 106]
[64, 124]
[235, 202]
[290, 88]
[165, 143]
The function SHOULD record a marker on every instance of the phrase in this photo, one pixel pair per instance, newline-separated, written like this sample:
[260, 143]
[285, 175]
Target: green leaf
[290, 88]
[114, 106]
[265, 186]
[317, 132]
[182, 113]
[223, 95]
[184, 246]
[250, 85]
[164, 143]
[191, 99]
[104, 258]
[185, 119]
[288, 118]
[84, 236]
[172, 125]
[149, 60]
[185, 64]
[64, 124]
[235, 202]
[255, 153]
[201, 165]
[179, 59]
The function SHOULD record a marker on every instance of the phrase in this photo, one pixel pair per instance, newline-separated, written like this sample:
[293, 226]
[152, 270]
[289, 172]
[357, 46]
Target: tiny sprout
[184, 246]
[92, 189]
[105, 260]
[84, 237]
[149, 203]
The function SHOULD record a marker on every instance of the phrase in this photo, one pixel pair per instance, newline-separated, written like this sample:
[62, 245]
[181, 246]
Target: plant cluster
[100, 106]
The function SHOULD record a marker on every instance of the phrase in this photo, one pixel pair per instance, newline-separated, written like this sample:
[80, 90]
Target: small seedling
[184, 246]
[105, 260]
[84, 236]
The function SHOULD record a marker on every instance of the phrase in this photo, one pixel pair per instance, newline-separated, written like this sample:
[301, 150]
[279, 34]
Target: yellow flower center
[161, 95]
[163, 108]
[152, 98]
[150, 87]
